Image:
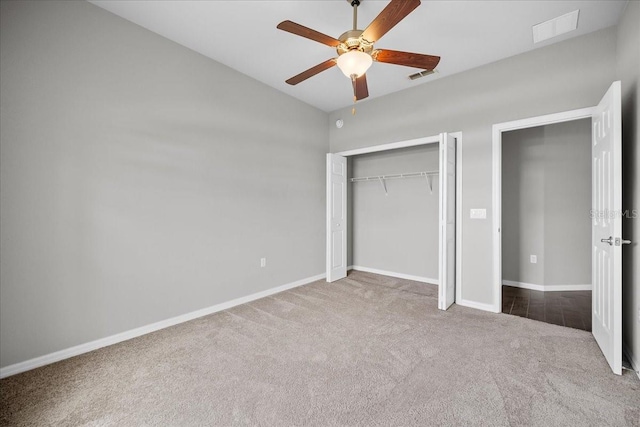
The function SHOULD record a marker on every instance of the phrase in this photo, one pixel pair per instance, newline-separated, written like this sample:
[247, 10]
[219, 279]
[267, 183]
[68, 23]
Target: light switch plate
[533, 259]
[478, 214]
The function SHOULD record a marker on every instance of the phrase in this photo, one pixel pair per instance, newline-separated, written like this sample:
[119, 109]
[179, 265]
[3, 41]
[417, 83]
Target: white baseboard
[634, 363]
[133, 333]
[547, 288]
[466, 303]
[477, 305]
[394, 274]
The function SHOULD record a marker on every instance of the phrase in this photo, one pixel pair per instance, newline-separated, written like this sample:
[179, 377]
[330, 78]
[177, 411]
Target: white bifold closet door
[606, 226]
[447, 252]
[336, 217]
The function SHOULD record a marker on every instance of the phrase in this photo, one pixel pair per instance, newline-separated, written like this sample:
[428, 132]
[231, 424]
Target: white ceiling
[466, 34]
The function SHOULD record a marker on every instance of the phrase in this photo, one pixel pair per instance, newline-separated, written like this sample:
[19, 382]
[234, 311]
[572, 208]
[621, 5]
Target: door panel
[447, 252]
[606, 227]
[336, 217]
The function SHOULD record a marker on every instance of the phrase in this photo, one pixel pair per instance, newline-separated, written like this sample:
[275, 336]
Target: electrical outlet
[638, 314]
[263, 262]
[534, 259]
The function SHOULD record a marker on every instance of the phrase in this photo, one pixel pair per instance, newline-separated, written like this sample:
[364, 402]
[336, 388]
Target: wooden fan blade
[312, 71]
[301, 30]
[360, 89]
[408, 59]
[395, 12]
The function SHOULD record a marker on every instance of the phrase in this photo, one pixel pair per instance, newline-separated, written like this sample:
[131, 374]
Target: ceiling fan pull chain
[355, 93]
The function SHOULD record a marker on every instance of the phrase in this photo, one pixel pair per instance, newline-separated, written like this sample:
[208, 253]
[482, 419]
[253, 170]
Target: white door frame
[424, 141]
[498, 129]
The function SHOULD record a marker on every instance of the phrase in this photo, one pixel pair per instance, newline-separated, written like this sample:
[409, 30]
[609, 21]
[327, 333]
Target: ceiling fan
[355, 47]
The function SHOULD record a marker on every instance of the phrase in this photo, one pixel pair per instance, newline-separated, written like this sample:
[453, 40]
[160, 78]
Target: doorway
[337, 209]
[546, 228]
[605, 215]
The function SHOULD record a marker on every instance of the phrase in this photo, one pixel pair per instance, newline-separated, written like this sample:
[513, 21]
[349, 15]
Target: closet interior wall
[396, 232]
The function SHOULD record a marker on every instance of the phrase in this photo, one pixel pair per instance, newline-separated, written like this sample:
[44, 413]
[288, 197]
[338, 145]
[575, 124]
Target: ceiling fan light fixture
[354, 62]
[355, 47]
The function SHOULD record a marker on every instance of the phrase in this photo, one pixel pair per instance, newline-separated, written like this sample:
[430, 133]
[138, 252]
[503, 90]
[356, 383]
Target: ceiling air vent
[556, 26]
[422, 74]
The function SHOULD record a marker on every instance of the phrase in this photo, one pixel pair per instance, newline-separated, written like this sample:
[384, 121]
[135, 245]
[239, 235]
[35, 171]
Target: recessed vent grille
[556, 26]
[422, 74]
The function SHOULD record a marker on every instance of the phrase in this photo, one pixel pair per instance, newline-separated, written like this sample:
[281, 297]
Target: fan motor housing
[351, 40]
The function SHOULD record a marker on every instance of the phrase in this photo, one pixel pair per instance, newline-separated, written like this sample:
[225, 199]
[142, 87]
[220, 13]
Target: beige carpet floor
[367, 350]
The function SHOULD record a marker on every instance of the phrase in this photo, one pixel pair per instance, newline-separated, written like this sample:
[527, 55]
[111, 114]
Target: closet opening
[392, 219]
[391, 211]
[546, 226]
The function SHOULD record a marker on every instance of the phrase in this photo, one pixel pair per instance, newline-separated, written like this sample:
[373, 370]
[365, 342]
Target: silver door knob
[609, 240]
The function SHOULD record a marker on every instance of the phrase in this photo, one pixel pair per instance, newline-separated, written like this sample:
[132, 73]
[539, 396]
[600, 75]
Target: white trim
[497, 130]
[391, 146]
[133, 333]
[547, 288]
[328, 207]
[634, 363]
[458, 137]
[497, 216]
[548, 119]
[394, 274]
[477, 305]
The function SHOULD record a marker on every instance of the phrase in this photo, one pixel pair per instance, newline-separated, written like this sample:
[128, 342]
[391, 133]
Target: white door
[336, 217]
[606, 225]
[447, 252]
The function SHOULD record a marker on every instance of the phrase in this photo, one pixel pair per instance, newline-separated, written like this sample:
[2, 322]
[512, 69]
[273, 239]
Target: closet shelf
[382, 178]
[395, 176]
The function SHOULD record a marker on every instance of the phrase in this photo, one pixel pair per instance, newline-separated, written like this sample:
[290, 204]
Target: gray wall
[133, 186]
[397, 232]
[567, 191]
[523, 205]
[133, 180]
[560, 77]
[546, 198]
[629, 73]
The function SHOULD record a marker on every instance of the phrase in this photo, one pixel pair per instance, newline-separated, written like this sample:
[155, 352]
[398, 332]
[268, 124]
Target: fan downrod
[351, 40]
[355, 4]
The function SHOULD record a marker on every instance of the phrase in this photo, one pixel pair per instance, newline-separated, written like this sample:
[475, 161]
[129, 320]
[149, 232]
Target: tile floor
[571, 309]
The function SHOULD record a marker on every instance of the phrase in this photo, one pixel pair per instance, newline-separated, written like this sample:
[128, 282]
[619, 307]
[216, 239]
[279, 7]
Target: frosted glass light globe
[354, 62]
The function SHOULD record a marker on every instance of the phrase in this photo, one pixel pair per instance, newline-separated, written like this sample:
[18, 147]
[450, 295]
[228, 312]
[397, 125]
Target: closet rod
[395, 176]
